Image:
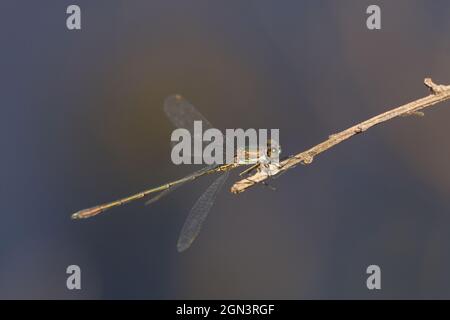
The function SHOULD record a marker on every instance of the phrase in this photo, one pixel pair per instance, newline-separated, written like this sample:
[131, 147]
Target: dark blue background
[82, 123]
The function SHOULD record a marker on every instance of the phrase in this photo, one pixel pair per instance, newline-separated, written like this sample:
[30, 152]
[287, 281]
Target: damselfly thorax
[256, 154]
[264, 159]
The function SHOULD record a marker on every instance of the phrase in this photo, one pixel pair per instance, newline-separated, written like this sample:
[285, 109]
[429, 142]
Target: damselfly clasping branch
[183, 114]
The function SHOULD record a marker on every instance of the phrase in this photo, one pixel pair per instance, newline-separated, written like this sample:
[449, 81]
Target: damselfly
[182, 114]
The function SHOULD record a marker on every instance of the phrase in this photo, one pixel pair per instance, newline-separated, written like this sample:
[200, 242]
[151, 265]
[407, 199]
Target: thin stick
[439, 93]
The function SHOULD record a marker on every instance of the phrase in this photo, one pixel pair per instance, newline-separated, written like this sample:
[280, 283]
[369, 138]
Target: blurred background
[82, 124]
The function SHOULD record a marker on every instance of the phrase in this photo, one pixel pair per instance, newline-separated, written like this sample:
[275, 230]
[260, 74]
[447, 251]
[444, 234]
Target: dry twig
[439, 93]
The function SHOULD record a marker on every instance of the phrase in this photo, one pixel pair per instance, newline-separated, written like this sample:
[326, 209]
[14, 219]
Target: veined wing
[182, 114]
[188, 178]
[199, 212]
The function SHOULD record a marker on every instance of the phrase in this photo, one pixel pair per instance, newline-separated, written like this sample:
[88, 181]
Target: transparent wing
[162, 194]
[174, 187]
[182, 113]
[199, 212]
